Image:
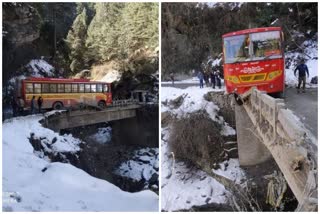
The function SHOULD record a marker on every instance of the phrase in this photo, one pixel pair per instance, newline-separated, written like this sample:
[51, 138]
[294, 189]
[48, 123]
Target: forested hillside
[77, 36]
[191, 32]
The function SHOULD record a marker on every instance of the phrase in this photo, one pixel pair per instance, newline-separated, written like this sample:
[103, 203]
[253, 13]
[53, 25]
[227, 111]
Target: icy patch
[182, 187]
[41, 68]
[111, 76]
[61, 187]
[143, 165]
[103, 135]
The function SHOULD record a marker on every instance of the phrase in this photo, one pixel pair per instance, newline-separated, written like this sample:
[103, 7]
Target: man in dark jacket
[40, 101]
[33, 103]
[14, 105]
[172, 78]
[303, 70]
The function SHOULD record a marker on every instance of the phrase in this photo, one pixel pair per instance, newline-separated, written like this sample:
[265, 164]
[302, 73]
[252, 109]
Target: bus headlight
[233, 79]
[274, 74]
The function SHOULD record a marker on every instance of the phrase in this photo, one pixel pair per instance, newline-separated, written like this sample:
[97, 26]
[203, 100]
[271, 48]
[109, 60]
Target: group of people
[18, 105]
[211, 78]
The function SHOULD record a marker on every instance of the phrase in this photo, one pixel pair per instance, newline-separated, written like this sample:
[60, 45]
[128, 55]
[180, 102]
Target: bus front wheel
[102, 104]
[57, 106]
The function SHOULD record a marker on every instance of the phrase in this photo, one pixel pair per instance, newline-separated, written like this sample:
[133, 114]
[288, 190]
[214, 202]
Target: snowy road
[182, 85]
[305, 106]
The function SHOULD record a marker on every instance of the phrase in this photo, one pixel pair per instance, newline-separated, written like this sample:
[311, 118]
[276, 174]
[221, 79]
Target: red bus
[60, 93]
[254, 57]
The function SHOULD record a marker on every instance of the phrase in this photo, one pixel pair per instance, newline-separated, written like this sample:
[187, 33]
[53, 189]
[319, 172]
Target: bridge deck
[71, 119]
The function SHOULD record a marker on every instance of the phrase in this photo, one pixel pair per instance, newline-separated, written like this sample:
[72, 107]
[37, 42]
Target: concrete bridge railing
[71, 119]
[275, 131]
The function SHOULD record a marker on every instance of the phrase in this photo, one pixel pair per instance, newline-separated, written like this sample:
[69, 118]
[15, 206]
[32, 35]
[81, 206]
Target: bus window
[37, 88]
[93, 88]
[45, 88]
[99, 88]
[60, 88]
[87, 88]
[67, 88]
[236, 48]
[105, 88]
[81, 88]
[266, 44]
[74, 88]
[53, 88]
[29, 88]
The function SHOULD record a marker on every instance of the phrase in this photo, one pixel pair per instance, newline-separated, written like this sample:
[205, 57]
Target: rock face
[21, 27]
[21, 23]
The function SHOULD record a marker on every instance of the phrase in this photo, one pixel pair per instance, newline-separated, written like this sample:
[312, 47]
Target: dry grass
[197, 138]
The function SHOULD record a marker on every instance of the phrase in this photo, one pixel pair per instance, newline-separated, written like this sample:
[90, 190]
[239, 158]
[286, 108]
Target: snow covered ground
[61, 187]
[143, 166]
[193, 102]
[193, 80]
[182, 187]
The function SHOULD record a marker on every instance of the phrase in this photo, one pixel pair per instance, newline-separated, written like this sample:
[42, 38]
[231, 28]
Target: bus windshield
[252, 47]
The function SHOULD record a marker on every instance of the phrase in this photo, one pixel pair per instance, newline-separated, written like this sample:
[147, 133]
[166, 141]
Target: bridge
[265, 129]
[119, 110]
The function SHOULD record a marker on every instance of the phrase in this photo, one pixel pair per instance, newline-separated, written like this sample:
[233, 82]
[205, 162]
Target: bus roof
[252, 30]
[57, 80]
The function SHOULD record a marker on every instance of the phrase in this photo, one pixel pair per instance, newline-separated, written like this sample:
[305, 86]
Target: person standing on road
[213, 79]
[172, 77]
[218, 80]
[14, 106]
[200, 76]
[303, 71]
[40, 101]
[33, 102]
[20, 105]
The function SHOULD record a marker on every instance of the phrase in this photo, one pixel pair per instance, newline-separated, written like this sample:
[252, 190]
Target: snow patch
[103, 135]
[111, 76]
[41, 68]
[143, 165]
[183, 187]
[231, 169]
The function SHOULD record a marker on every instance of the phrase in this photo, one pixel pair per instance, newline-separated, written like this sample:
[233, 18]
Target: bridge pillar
[250, 148]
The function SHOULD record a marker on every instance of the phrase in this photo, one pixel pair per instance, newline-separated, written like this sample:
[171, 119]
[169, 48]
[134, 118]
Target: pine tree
[139, 27]
[76, 40]
[103, 32]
